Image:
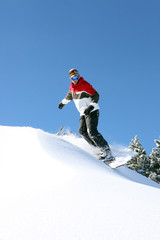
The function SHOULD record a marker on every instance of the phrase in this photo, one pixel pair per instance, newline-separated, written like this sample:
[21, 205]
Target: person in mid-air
[86, 100]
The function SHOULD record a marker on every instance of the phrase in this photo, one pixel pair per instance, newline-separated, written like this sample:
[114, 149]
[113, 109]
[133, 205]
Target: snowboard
[114, 164]
[118, 162]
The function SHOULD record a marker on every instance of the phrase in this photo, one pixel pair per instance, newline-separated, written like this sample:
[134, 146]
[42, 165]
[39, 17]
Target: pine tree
[140, 161]
[155, 163]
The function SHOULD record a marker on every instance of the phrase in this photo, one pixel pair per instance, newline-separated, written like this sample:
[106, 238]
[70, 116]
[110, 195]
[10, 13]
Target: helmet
[73, 72]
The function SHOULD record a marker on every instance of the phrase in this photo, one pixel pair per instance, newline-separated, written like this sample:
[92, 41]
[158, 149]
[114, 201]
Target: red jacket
[83, 95]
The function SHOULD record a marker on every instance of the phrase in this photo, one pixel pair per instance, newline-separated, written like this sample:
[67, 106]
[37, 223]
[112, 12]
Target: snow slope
[54, 188]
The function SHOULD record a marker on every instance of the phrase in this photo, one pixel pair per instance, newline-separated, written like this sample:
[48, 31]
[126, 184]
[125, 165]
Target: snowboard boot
[106, 156]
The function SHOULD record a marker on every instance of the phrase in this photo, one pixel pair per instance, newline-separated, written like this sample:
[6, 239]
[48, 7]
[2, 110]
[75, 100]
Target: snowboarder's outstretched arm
[66, 100]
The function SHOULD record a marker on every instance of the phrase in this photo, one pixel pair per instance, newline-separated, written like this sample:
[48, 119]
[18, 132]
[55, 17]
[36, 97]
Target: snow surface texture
[54, 188]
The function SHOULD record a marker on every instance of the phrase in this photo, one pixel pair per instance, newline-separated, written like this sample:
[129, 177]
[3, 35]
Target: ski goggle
[74, 78]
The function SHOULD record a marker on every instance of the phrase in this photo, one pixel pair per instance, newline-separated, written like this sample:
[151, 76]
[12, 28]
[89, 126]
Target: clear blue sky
[114, 44]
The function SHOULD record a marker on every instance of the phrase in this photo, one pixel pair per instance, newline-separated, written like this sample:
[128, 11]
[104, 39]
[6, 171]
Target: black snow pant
[88, 129]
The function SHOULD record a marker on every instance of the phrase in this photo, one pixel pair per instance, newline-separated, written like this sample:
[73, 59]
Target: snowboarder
[86, 100]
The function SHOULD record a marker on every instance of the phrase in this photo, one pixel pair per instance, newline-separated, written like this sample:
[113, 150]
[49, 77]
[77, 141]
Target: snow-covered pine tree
[155, 163]
[140, 161]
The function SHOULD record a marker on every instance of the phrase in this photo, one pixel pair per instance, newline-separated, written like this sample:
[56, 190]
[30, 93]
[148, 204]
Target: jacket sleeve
[68, 98]
[95, 97]
[94, 101]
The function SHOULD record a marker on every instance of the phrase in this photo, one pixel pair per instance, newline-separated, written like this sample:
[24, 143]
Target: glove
[88, 110]
[61, 105]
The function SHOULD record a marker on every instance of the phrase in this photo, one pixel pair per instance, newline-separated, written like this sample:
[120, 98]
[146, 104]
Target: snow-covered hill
[54, 188]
